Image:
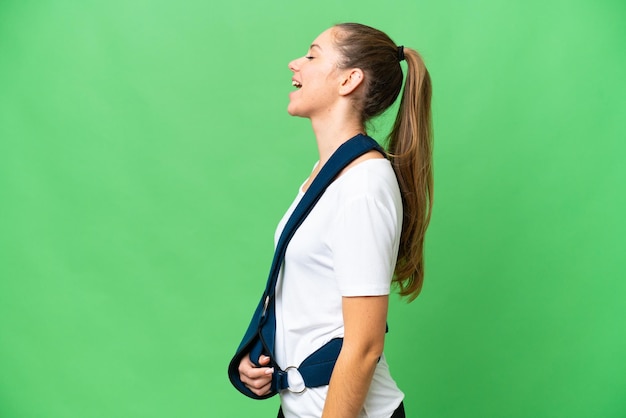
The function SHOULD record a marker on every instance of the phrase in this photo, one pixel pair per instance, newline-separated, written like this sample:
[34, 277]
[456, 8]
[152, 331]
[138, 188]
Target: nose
[293, 65]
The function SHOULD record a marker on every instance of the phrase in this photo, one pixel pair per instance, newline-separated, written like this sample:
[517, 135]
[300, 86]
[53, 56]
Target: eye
[309, 57]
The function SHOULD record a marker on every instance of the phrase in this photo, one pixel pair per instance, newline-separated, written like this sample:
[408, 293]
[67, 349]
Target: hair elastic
[401, 53]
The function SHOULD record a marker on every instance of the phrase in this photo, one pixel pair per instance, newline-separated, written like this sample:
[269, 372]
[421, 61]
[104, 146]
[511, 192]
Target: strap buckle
[290, 379]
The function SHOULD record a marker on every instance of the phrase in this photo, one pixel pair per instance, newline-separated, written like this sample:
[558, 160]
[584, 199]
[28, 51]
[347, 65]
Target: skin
[327, 98]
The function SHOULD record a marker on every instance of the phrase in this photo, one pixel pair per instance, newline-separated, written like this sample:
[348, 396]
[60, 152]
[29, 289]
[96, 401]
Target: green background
[146, 156]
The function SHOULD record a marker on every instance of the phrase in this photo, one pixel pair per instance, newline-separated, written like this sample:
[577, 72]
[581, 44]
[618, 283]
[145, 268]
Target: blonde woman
[365, 234]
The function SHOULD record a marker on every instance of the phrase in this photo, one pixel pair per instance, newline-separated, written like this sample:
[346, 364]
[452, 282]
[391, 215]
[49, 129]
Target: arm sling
[316, 369]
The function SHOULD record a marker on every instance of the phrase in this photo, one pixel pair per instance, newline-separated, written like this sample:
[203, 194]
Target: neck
[331, 132]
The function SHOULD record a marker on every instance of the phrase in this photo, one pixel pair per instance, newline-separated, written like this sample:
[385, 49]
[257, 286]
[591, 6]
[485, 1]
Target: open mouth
[296, 84]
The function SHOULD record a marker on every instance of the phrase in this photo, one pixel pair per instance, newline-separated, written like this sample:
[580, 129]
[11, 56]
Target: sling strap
[260, 336]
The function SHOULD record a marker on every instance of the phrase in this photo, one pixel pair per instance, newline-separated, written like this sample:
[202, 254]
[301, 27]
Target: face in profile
[316, 78]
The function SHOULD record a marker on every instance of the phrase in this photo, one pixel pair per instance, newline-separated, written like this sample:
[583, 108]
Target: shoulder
[372, 177]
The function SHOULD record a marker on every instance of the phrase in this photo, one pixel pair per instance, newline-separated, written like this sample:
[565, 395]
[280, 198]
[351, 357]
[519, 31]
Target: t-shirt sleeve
[365, 246]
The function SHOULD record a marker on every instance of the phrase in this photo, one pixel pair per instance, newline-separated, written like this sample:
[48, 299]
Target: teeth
[296, 84]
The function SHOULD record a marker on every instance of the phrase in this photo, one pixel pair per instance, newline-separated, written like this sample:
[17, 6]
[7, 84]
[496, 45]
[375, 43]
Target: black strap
[260, 335]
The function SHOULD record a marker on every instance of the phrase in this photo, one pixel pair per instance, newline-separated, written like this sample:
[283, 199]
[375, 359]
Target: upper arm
[365, 319]
[365, 245]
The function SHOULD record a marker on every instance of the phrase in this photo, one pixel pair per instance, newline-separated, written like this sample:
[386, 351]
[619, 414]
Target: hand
[257, 379]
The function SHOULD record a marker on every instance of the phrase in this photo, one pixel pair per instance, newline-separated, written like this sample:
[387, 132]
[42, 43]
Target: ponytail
[410, 151]
[410, 141]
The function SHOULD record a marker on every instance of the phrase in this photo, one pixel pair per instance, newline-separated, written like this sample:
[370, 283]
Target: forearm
[350, 382]
[364, 338]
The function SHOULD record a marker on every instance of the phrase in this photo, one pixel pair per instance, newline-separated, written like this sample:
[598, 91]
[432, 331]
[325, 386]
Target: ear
[351, 80]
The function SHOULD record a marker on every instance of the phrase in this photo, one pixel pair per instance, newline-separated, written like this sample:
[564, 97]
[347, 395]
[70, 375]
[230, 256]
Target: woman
[365, 233]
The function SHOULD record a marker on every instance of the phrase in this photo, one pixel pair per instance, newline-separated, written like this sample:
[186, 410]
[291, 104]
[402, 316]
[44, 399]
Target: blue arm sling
[260, 335]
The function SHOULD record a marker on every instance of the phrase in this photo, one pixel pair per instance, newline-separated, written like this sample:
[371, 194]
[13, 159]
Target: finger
[264, 360]
[260, 382]
[253, 373]
[261, 373]
[255, 382]
[245, 365]
[246, 361]
[264, 390]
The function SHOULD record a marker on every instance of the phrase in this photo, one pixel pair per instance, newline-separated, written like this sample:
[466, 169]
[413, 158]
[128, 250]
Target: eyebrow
[315, 45]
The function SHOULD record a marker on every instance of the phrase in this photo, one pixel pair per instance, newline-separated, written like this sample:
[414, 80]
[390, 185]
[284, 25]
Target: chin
[294, 112]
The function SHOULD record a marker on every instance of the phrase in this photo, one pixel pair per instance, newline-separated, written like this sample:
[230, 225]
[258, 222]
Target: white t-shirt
[347, 246]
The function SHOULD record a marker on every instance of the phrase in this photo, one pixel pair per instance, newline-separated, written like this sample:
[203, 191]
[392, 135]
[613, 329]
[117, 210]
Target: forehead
[324, 39]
